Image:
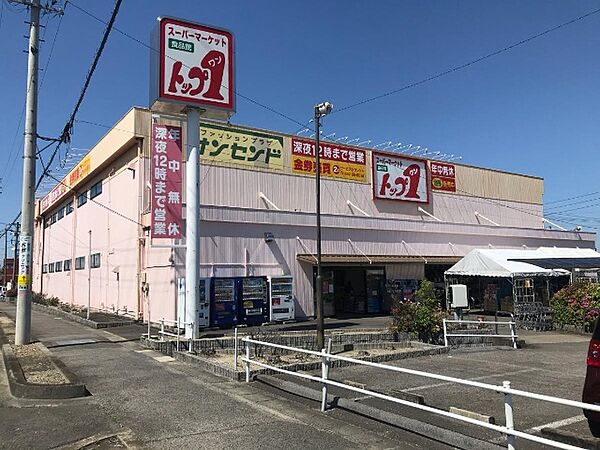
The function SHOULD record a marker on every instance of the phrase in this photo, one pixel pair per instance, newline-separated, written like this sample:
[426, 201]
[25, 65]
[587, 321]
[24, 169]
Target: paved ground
[552, 364]
[151, 401]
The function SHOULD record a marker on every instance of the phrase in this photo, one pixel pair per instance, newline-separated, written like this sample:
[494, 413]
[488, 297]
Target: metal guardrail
[513, 335]
[508, 429]
[179, 325]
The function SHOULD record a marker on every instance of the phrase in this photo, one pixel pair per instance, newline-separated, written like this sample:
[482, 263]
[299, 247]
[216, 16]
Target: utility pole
[5, 256]
[24, 242]
[23, 322]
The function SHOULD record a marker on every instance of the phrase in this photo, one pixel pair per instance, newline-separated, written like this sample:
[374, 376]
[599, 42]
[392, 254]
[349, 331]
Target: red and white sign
[400, 178]
[167, 169]
[443, 177]
[195, 64]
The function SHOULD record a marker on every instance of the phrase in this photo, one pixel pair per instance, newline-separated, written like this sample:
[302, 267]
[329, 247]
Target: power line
[566, 205]
[66, 134]
[470, 63]
[108, 208]
[251, 100]
[572, 198]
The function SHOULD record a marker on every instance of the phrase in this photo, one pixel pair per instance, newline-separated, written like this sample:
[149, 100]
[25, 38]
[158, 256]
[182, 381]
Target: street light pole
[321, 110]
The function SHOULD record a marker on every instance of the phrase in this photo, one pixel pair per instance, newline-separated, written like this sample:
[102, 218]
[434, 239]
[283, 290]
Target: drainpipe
[138, 268]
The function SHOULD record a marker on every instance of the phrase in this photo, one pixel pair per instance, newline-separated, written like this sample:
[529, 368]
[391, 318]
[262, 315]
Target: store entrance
[353, 291]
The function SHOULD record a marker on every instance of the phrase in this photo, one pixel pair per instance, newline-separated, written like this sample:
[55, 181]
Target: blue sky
[530, 110]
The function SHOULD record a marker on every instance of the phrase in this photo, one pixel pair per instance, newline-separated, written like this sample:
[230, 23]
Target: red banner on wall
[443, 177]
[167, 217]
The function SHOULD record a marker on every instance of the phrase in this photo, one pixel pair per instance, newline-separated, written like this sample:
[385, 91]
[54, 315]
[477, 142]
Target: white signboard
[195, 65]
[400, 178]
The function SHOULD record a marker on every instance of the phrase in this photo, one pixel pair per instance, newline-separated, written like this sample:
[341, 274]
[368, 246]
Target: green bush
[577, 304]
[423, 316]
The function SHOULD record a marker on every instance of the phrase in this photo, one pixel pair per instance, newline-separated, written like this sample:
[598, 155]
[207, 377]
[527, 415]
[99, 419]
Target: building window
[54, 219]
[95, 260]
[80, 263]
[69, 208]
[46, 222]
[51, 267]
[67, 264]
[82, 199]
[58, 266]
[60, 213]
[45, 268]
[96, 190]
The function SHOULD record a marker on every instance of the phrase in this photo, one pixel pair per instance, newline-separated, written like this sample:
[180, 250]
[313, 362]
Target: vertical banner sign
[195, 64]
[400, 178]
[24, 280]
[337, 161]
[443, 177]
[166, 182]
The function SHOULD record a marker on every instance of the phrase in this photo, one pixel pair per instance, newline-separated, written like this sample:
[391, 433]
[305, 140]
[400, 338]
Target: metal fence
[178, 326]
[505, 390]
[512, 326]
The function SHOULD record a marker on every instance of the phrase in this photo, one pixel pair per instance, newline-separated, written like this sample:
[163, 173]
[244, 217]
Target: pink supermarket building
[381, 231]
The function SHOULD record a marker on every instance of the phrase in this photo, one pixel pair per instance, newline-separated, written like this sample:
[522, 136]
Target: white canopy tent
[500, 263]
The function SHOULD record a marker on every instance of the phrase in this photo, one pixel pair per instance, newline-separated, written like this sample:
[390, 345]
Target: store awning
[385, 259]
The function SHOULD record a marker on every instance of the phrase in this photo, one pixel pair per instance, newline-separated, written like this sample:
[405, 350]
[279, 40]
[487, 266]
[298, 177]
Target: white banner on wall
[400, 178]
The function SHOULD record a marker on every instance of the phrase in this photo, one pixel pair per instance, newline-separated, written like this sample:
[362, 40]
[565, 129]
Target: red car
[591, 388]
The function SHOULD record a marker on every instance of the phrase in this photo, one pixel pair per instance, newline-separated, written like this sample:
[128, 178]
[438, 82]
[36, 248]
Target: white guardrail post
[325, 361]
[235, 348]
[247, 362]
[509, 419]
[177, 338]
[445, 333]
[513, 334]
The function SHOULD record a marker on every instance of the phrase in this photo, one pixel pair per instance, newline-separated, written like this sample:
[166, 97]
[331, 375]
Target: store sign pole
[192, 224]
[192, 73]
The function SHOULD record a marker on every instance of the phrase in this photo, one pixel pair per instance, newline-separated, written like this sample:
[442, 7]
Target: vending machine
[281, 300]
[252, 307]
[203, 312]
[223, 302]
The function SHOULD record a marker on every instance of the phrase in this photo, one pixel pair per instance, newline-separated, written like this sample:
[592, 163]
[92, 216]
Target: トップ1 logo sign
[400, 178]
[195, 65]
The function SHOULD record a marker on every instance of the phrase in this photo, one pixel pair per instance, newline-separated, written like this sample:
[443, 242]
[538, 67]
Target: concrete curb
[20, 388]
[433, 432]
[567, 437]
[75, 318]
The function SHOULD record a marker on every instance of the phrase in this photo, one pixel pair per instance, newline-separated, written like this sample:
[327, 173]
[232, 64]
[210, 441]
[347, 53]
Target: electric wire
[142, 43]
[467, 64]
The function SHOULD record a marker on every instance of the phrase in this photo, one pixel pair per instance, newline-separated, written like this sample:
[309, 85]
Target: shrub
[577, 304]
[423, 317]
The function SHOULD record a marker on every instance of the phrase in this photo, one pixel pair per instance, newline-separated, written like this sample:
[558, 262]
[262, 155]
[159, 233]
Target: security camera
[578, 228]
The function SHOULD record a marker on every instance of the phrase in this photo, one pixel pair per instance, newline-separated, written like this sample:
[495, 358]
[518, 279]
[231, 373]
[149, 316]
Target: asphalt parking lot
[551, 364]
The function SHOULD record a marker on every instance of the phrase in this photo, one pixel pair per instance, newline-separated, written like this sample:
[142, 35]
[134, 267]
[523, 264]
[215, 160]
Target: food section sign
[167, 217]
[443, 177]
[400, 178]
[337, 161]
[195, 65]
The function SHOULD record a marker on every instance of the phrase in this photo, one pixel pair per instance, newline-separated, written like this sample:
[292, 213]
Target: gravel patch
[37, 366]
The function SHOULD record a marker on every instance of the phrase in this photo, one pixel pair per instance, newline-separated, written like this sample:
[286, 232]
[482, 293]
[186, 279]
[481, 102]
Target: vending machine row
[226, 302]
